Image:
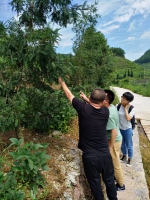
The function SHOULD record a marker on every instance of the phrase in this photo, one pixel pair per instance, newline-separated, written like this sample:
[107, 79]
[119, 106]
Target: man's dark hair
[110, 95]
[128, 96]
[97, 96]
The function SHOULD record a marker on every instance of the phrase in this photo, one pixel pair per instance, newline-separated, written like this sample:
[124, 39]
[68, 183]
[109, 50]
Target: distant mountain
[144, 59]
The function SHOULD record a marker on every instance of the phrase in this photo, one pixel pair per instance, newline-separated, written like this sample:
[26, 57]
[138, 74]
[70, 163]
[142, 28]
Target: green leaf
[16, 122]
[37, 146]
[35, 188]
[30, 164]
[32, 194]
[14, 141]
[45, 168]
[45, 156]
[45, 145]
[20, 142]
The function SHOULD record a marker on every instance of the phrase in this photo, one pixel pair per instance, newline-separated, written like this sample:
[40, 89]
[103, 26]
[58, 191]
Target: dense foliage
[37, 12]
[118, 52]
[9, 189]
[30, 65]
[29, 160]
[93, 59]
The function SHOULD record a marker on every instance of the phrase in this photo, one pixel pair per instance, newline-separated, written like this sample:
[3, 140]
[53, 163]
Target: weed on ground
[145, 152]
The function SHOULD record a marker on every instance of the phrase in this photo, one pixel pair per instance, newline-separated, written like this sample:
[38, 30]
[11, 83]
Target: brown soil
[55, 148]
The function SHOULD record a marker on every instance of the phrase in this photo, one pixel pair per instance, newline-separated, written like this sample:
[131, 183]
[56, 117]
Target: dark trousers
[93, 167]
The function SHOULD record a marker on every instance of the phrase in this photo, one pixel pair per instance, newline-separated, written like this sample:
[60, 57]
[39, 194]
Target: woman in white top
[126, 127]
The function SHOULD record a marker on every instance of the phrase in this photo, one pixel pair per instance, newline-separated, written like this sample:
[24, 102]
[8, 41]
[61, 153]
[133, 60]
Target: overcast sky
[125, 24]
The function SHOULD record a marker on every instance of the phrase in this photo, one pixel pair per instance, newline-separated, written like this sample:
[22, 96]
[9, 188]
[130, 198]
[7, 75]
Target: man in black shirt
[96, 157]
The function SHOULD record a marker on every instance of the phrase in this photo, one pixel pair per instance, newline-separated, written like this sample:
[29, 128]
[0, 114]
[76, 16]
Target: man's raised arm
[66, 90]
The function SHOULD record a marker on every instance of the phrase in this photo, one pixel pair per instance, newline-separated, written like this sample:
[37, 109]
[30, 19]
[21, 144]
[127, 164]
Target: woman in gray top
[126, 127]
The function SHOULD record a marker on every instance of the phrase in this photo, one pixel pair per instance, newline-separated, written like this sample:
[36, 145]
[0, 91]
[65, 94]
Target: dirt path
[135, 182]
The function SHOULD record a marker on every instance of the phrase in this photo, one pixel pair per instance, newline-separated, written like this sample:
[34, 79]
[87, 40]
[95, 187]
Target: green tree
[118, 52]
[129, 73]
[30, 64]
[37, 12]
[125, 75]
[117, 77]
[92, 54]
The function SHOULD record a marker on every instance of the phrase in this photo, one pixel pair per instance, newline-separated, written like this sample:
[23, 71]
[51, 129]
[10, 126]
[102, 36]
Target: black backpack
[133, 122]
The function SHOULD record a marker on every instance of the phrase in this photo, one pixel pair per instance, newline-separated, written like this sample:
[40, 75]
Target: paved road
[135, 182]
[141, 103]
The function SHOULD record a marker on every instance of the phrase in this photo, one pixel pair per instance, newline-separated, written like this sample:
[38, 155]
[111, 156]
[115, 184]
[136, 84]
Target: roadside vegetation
[145, 152]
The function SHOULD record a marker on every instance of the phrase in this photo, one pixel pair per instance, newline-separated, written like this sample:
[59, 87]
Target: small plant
[8, 187]
[29, 162]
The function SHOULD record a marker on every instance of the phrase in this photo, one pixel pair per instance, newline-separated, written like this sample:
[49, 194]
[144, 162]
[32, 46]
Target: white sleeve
[132, 112]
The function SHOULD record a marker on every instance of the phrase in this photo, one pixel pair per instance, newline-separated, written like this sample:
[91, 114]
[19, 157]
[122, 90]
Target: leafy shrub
[8, 187]
[48, 111]
[29, 160]
[11, 108]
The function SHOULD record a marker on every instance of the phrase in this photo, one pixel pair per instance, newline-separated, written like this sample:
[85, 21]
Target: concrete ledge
[146, 126]
[134, 176]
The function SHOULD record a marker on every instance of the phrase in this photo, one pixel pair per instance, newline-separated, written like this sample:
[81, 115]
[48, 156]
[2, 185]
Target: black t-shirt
[92, 128]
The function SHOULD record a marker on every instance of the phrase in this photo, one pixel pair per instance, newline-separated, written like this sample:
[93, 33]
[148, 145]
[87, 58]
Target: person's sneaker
[123, 158]
[120, 188]
[129, 164]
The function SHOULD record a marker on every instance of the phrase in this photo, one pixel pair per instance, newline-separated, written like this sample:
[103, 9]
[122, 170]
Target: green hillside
[145, 58]
[144, 61]
[126, 70]
[128, 74]
[145, 65]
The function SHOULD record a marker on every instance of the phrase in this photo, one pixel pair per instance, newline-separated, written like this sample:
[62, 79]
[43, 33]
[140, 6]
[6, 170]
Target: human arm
[66, 90]
[84, 97]
[112, 139]
[127, 115]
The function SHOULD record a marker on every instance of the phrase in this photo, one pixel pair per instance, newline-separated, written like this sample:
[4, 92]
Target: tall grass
[139, 89]
[145, 152]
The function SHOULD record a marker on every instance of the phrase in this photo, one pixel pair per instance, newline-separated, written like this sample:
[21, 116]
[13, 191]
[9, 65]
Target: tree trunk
[18, 131]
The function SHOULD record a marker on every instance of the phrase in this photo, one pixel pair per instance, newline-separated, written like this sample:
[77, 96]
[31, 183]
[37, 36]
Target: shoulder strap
[118, 106]
[130, 108]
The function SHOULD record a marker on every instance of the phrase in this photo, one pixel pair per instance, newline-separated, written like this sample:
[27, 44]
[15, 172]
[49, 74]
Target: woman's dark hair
[128, 96]
[97, 96]
[110, 95]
